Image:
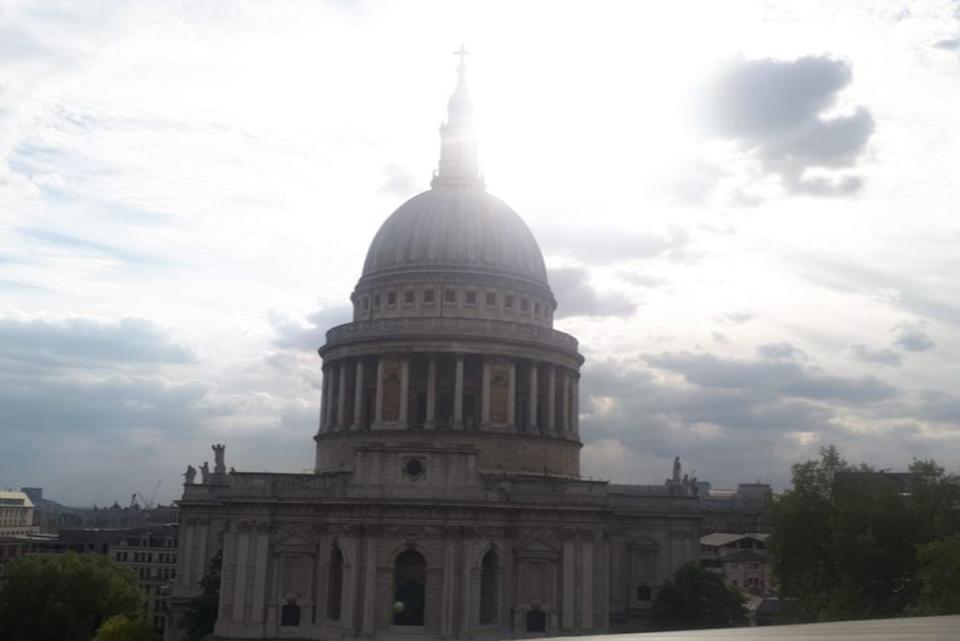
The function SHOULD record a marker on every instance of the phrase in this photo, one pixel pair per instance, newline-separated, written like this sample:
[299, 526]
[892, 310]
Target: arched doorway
[335, 584]
[409, 588]
[488, 588]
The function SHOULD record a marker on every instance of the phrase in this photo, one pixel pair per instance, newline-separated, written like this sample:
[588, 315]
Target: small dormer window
[471, 298]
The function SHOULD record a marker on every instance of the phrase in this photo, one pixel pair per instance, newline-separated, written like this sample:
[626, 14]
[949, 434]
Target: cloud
[83, 341]
[308, 333]
[950, 44]
[400, 182]
[600, 245]
[881, 355]
[913, 337]
[779, 112]
[781, 351]
[783, 378]
[577, 297]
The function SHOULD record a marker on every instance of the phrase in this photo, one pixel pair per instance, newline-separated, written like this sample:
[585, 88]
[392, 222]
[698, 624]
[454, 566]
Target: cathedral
[446, 500]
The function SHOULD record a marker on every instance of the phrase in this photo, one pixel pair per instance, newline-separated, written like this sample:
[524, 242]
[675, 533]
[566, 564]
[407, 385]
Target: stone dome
[460, 227]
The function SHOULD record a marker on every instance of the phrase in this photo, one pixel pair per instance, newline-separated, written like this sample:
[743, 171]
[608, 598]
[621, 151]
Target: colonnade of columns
[458, 391]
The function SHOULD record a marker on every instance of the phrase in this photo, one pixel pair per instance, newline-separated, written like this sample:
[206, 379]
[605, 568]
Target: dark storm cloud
[601, 245]
[913, 337]
[86, 341]
[309, 333]
[881, 355]
[782, 378]
[775, 110]
[577, 297]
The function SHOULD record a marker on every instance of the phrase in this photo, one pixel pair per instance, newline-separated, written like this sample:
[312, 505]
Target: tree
[845, 537]
[201, 613]
[64, 597]
[939, 577]
[697, 598]
[122, 628]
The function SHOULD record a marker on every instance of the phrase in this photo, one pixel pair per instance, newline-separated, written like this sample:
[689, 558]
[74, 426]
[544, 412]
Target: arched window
[488, 588]
[409, 588]
[335, 584]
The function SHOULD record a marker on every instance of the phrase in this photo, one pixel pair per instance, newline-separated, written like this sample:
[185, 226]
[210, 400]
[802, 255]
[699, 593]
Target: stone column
[552, 399]
[512, 396]
[564, 427]
[569, 577]
[405, 392]
[358, 396]
[449, 589]
[575, 413]
[325, 398]
[431, 419]
[342, 396]
[378, 416]
[586, 585]
[369, 585]
[458, 395]
[466, 619]
[240, 582]
[485, 398]
[533, 400]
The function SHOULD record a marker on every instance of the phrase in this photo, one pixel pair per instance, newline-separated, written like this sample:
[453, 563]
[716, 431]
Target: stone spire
[458, 141]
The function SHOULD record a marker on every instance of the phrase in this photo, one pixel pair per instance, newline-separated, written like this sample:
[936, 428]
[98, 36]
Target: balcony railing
[443, 327]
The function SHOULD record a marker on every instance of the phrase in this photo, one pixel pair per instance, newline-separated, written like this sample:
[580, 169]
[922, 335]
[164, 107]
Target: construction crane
[146, 504]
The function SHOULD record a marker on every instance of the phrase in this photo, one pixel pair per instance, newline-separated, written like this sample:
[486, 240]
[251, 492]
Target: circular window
[413, 467]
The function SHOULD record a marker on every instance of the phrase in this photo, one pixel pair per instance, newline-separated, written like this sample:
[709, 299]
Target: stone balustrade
[443, 327]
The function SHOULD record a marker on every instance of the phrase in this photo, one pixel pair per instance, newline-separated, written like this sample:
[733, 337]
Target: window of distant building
[508, 301]
[471, 297]
[428, 296]
[376, 301]
[391, 298]
[450, 296]
[408, 297]
[491, 299]
[524, 305]
[644, 593]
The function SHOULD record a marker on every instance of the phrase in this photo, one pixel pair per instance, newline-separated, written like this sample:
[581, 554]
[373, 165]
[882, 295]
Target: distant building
[52, 516]
[737, 510]
[151, 552]
[740, 558]
[11, 547]
[16, 514]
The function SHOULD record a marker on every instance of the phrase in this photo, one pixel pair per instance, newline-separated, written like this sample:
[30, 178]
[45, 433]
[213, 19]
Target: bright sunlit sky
[748, 209]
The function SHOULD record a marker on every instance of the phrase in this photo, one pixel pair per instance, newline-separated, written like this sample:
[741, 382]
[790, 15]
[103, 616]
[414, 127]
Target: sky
[748, 211]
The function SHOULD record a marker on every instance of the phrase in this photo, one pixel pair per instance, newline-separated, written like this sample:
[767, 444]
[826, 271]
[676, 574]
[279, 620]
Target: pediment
[537, 547]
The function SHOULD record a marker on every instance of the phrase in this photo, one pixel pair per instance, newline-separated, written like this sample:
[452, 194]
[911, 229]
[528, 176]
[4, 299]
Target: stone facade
[446, 500]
